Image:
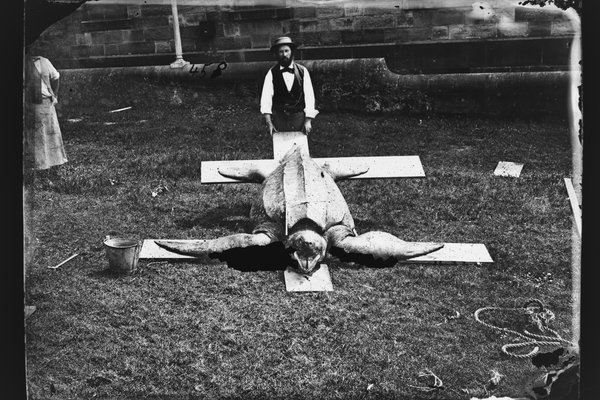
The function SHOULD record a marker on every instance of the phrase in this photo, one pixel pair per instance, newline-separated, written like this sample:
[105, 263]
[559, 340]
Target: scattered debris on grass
[120, 109]
[29, 310]
[161, 188]
[64, 262]
[509, 169]
[495, 379]
[431, 380]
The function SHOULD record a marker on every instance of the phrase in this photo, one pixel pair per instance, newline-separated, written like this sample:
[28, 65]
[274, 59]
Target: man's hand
[307, 126]
[270, 127]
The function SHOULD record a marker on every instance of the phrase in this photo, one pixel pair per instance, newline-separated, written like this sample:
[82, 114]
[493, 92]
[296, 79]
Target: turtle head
[308, 248]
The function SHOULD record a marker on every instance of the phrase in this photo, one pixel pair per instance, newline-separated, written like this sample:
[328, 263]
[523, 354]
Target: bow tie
[287, 69]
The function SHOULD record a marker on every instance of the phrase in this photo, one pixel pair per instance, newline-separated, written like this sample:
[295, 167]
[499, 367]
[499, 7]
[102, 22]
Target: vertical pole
[179, 61]
[575, 115]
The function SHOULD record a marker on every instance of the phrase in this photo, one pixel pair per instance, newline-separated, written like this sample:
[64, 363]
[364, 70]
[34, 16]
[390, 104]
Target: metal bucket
[122, 254]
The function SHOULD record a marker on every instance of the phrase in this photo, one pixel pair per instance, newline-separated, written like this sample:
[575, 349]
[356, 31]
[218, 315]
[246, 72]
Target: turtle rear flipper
[384, 246]
[198, 248]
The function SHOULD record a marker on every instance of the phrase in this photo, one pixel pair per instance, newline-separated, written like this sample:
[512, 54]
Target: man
[44, 149]
[288, 99]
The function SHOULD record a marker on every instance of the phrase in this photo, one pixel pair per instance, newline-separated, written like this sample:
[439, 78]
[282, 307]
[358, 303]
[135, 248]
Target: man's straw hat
[284, 40]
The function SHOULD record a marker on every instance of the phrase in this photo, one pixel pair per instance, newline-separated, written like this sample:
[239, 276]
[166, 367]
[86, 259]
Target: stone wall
[414, 36]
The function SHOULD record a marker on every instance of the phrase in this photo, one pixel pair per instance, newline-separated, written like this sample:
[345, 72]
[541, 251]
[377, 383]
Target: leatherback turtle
[302, 207]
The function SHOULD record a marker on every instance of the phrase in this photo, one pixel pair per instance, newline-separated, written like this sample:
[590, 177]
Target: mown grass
[204, 330]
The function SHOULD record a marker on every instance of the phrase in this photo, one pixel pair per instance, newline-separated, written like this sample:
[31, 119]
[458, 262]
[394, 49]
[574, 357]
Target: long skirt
[43, 140]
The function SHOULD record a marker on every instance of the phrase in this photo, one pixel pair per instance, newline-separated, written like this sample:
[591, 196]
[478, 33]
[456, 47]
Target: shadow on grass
[235, 218]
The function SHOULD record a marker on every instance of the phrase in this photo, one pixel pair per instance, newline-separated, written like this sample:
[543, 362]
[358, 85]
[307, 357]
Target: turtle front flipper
[198, 248]
[243, 173]
[381, 246]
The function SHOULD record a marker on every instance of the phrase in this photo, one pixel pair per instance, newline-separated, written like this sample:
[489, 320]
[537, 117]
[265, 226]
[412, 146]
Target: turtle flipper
[198, 248]
[384, 246]
[244, 173]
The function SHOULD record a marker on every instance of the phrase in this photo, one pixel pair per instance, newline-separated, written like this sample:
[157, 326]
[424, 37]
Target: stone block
[472, 31]
[341, 23]
[272, 27]
[304, 12]
[219, 16]
[363, 36]
[374, 22]
[439, 32]
[163, 46]
[231, 29]
[283, 13]
[314, 26]
[108, 25]
[423, 18]
[232, 43]
[308, 39]
[87, 51]
[539, 28]
[107, 37]
[253, 14]
[330, 12]
[352, 10]
[448, 16]
[115, 11]
[187, 45]
[190, 19]
[153, 10]
[136, 35]
[562, 28]
[134, 11]
[93, 11]
[136, 48]
[402, 35]
[111, 49]
[160, 33]
[404, 19]
[260, 40]
[381, 9]
[83, 38]
[188, 32]
[531, 14]
[512, 29]
[150, 22]
[329, 38]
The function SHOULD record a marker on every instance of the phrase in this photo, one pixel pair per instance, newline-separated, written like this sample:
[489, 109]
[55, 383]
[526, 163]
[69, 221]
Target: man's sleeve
[309, 96]
[266, 98]
[52, 72]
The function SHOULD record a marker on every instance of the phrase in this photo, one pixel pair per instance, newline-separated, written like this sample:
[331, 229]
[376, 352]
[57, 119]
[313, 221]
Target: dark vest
[292, 101]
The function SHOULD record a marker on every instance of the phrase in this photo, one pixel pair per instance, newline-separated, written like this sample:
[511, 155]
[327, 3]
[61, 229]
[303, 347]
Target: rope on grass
[540, 316]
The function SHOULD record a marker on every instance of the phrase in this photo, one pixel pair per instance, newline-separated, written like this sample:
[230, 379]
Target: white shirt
[43, 65]
[266, 98]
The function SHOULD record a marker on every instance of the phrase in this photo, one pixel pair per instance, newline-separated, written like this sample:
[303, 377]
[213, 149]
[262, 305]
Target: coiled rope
[540, 316]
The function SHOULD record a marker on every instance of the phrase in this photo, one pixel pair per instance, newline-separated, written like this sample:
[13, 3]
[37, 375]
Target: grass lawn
[205, 330]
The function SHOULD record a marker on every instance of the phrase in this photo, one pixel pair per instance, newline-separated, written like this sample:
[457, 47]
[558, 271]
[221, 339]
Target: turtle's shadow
[272, 257]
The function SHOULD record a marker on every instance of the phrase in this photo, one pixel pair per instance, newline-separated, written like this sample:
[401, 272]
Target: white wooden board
[508, 168]
[283, 142]
[450, 253]
[319, 281]
[456, 253]
[574, 204]
[379, 167]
